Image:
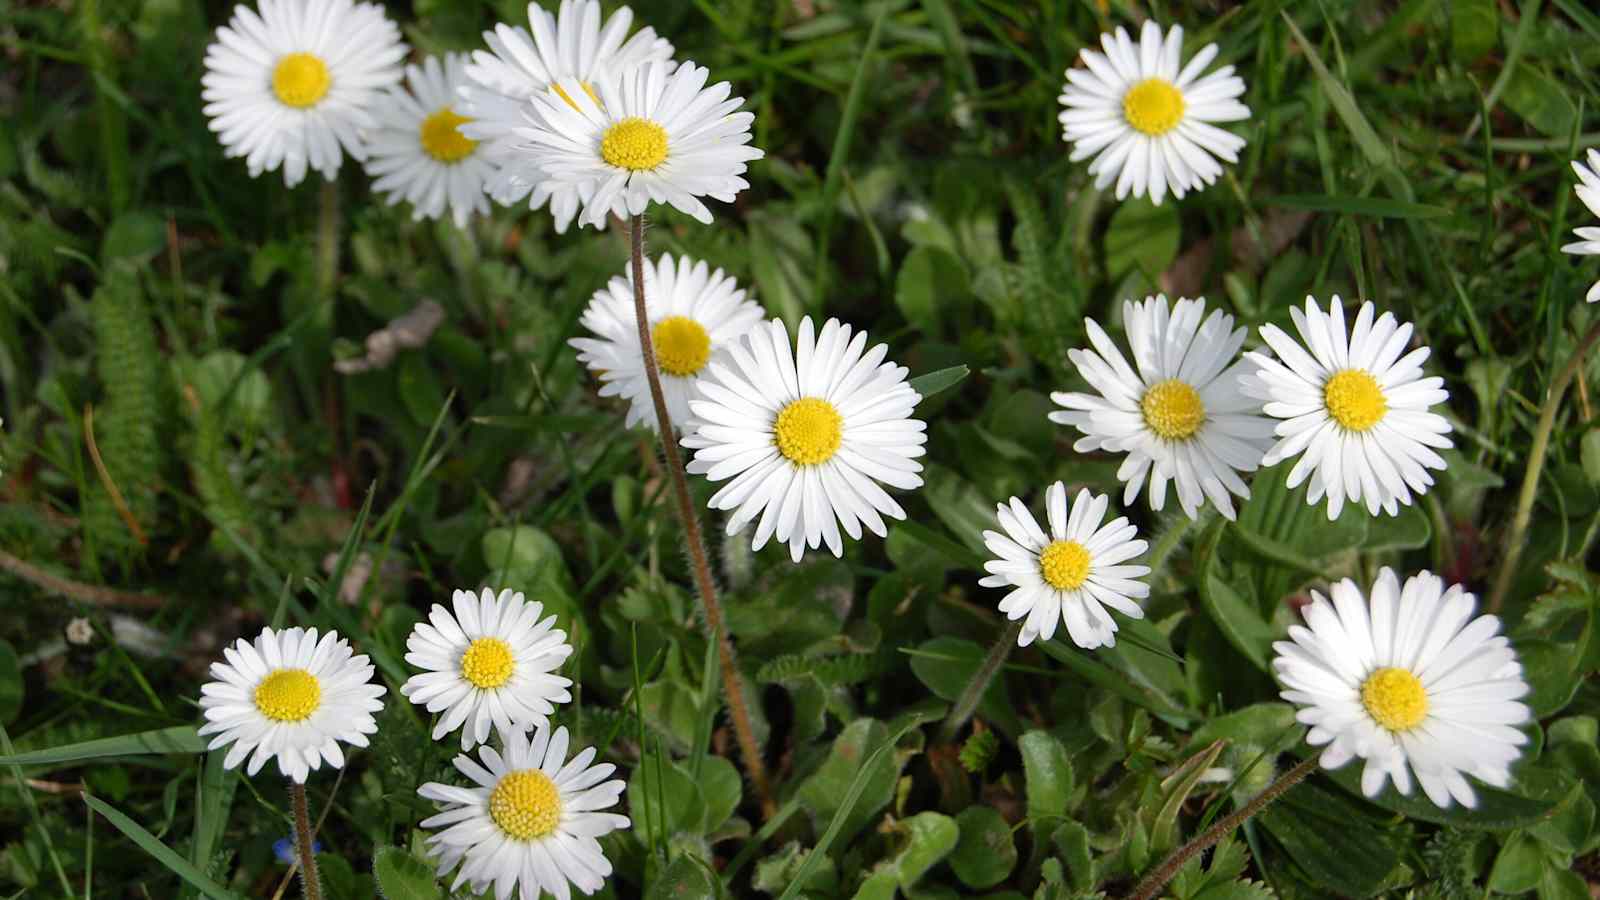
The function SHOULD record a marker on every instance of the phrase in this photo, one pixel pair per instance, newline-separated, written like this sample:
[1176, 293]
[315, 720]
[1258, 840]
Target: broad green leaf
[1562, 884]
[987, 851]
[1071, 840]
[664, 800]
[1142, 237]
[1260, 724]
[721, 787]
[947, 664]
[1237, 620]
[177, 739]
[1048, 774]
[934, 382]
[10, 684]
[402, 876]
[1551, 670]
[1540, 100]
[1497, 810]
[685, 878]
[930, 838]
[163, 854]
[1518, 866]
[824, 792]
[137, 235]
[930, 285]
[1474, 28]
[1331, 841]
[1569, 827]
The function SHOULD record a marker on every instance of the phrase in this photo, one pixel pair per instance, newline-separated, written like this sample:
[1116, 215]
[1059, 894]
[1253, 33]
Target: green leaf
[1518, 866]
[161, 852]
[1049, 777]
[177, 739]
[1071, 840]
[947, 664]
[931, 837]
[137, 235]
[931, 283]
[1332, 841]
[934, 382]
[1143, 237]
[1344, 105]
[721, 787]
[987, 851]
[1497, 810]
[1237, 620]
[1551, 670]
[664, 800]
[402, 876]
[1540, 100]
[685, 878]
[1260, 724]
[1562, 884]
[1372, 207]
[10, 684]
[1474, 28]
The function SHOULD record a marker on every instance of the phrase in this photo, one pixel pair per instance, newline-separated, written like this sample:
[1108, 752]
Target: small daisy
[503, 79]
[1588, 189]
[292, 85]
[1353, 408]
[655, 134]
[1407, 682]
[1070, 575]
[1147, 124]
[806, 440]
[418, 153]
[291, 696]
[529, 821]
[489, 664]
[1181, 417]
[693, 313]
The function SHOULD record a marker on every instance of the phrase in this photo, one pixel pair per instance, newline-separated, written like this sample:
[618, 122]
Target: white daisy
[417, 152]
[518, 65]
[529, 821]
[806, 440]
[1588, 189]
[1353, 408]
[291, 696]
[1146, 122]
[292, 85]
[656, 134]
[1408, 681]
[489, 664]
[1181, 417]
[693, 313]
[1069, 575]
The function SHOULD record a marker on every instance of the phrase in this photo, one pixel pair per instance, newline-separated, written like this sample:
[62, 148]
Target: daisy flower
[289, 695]
[653, 134]
[806, 438]
[1353, 409]
[1181, 417]
[528, 823]
[417, 152]
[1070, 575]
[1588, 189]
[293, 84]
[693, 313]
[518, 65]
[1146, 122]
[1408, 684]
[489, 664]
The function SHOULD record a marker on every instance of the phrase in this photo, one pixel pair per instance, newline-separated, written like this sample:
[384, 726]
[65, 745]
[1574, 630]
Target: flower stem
[972, 695]
[1169, 867]
[1530, 478]
[732, 683]
[309, 879]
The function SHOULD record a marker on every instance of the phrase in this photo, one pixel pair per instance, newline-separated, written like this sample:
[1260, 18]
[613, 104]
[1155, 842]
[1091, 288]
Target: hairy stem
[309, 878]
[732, 683]
[1169, 867]
[1530, 478]
[76, 590]
[972, 695]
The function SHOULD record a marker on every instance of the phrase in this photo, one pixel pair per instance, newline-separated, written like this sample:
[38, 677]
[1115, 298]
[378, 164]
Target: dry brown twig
[408, 332]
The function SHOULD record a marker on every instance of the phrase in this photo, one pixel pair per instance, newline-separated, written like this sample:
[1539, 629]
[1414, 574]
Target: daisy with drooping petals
[1147, 123]
[518, 65]
[693, 312]
[293, 85]
[529, 823]
[489, 664]
[654, 134]
[290, 696]
[1408, 684]
[1353, 409]
[1588, 189]
[806, 436]
[418, 153]
[1182, 416]
[1072, 574]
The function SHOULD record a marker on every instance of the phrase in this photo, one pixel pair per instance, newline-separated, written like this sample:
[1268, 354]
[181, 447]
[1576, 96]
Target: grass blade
[177, 739]
[841, 151]
[163, 854]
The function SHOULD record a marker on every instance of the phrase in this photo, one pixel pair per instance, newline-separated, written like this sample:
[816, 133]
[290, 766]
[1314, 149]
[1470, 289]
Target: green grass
[1410, 153]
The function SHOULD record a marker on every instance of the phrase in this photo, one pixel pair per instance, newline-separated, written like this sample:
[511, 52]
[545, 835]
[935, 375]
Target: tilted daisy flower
[1072, 574]
[656, 134]
[693, 312]
[418, 154]
[1352, 408]
[1182, 416]
[294, 85]
[529, 823]
[1408, 684]
[503, 79]
[489, 664]
[1588, 189]
[1146, 121]
[291, 696]
[806, 437]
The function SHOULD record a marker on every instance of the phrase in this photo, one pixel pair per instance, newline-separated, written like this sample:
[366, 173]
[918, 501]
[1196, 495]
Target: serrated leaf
[402, 876]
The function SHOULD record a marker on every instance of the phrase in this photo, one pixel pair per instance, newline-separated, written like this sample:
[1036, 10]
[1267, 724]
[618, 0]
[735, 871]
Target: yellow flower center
[441, 140]
[682, 345]
[635, 144]
[526, 804]
[1154, 106]
[1064, 565]
[587, 89]
[487, 663]
[301, 80]
[1395, 698]
[1354, 399]
[288, 695]
[1173, 410]
[808, 431]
